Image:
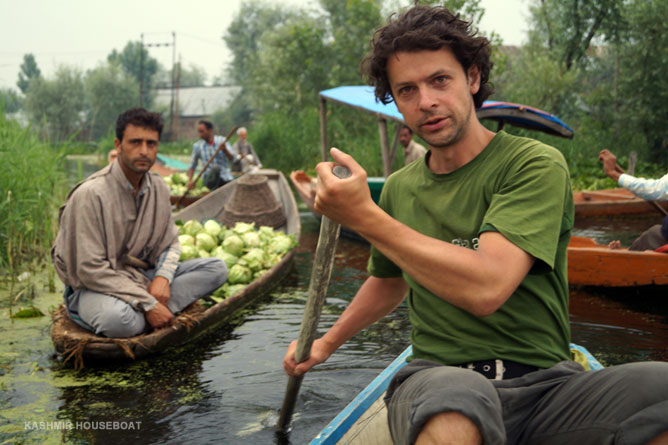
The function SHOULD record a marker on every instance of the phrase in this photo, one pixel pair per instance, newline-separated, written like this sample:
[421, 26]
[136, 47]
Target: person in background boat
[218, 173]
[649, 189]
[118, 214]
[476, 235]
[247, 159]
[112, 155]
[412, 150]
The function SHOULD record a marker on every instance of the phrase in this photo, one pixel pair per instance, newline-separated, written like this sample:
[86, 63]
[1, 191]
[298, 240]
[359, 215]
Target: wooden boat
[77, 344]
[617, 201]
[593, 264]
[364, 420]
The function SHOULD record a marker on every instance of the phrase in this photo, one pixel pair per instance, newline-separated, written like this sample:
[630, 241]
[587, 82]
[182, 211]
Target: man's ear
[117, 144]
[473, 77]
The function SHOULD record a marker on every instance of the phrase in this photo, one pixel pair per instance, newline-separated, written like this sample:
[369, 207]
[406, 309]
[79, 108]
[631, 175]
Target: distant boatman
[218, 173]
[412, 150]
[123, 212]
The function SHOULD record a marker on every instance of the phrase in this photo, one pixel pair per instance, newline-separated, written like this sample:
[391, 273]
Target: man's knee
[122, 322]
[431, 392]
[449, 428]
[215, 270]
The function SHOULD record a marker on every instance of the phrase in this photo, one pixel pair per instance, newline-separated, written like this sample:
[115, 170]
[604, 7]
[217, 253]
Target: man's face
[405, 137]
[138, 149]
[243, 135]
[433, 93]
[204, 133]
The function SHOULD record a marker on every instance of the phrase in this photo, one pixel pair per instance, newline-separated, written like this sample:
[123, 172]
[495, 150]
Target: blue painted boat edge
[349, 415]
[335, 430]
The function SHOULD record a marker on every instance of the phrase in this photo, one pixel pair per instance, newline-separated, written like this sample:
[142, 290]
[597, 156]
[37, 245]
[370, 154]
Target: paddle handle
[323, 262]
[229, 135]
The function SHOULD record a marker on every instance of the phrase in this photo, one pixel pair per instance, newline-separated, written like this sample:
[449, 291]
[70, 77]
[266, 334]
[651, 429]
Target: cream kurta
[414, 151]
[101, 222]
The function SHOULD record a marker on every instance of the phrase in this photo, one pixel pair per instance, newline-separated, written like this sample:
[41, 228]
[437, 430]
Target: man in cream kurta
[412, 150]
[124, 210]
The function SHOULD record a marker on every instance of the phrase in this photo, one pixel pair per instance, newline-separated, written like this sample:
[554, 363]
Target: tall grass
[31, 179]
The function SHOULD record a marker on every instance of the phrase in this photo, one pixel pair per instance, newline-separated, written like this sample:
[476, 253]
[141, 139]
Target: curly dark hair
[427, 28]
[138, 117]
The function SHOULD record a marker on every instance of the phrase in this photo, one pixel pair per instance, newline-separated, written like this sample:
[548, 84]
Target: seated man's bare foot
[615, 245]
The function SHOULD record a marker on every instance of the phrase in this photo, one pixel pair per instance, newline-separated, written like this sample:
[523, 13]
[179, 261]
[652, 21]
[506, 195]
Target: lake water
[228, 386]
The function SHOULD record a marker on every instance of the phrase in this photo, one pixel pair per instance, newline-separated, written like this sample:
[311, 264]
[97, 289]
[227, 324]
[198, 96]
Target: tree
[10, 101]
[245, 32]
[351, 26]
[108, 92]
[130, 59]
[643, 63]
[568, 27]
[29, 72]
[56, 105]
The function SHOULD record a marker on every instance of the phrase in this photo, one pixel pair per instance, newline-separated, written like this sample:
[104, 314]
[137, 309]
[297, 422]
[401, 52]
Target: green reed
[31, 188]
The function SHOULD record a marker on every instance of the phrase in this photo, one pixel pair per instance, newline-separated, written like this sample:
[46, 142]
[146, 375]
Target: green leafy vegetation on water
[31, 179]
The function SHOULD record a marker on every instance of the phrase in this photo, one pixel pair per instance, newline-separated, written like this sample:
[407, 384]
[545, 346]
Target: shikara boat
[364, 420]
[612, 202]
[593, 264]
[77, 344]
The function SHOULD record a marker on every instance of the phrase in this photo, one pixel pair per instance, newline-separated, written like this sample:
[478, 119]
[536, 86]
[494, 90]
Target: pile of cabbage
[247, 251]
[178, 184]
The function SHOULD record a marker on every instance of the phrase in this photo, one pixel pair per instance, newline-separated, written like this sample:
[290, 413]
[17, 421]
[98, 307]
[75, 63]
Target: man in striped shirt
[218, 173]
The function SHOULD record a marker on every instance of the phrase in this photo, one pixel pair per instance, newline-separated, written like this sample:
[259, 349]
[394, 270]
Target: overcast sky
[83, 32]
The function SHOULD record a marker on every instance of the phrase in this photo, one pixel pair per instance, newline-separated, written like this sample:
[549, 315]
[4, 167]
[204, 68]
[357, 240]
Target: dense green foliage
[29, 72]
[31, 175]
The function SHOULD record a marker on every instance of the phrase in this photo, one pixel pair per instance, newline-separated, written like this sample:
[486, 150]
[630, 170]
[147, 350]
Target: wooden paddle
[658, 206]
[317, 291]
[229, 135]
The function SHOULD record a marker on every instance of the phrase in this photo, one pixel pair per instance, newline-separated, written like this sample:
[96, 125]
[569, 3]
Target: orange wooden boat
[617, 201]
[593, 264]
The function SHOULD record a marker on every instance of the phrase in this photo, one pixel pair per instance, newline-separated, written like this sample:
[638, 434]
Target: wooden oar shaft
[220, 147]
[323, 261]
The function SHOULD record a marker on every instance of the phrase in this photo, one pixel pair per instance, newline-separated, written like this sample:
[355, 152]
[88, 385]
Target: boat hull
[612, 202]
[593, 264]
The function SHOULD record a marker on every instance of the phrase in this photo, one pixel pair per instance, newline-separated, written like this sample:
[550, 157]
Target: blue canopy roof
[362, 97]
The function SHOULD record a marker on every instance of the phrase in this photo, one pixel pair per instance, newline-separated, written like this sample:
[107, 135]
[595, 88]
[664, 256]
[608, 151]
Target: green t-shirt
[520, 188]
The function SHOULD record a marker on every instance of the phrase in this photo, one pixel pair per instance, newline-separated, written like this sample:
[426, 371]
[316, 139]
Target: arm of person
[651, 189]
[610, 166]
[227, 150]
[168, 261]
[193, 165]
[376, 298]
[478, 281]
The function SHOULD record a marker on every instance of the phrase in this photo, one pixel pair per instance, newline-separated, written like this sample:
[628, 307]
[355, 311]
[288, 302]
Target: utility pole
[142, 87]
[175, 130]
[141, 72]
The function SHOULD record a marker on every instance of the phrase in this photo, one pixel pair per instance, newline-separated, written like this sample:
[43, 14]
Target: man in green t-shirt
[476, 236]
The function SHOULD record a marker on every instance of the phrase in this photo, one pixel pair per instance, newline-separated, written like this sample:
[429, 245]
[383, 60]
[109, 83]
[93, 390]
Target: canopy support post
[384, 150]
[395, 142]
[323, 128]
